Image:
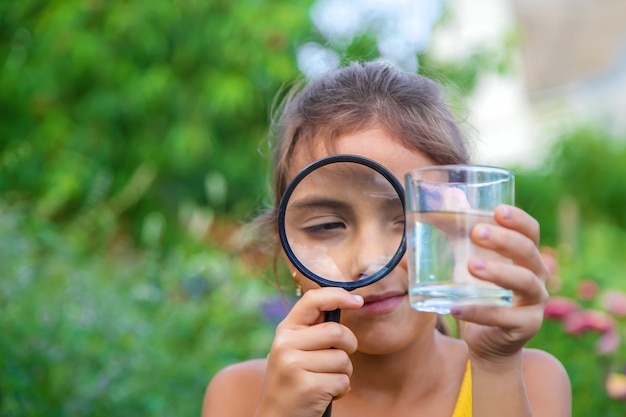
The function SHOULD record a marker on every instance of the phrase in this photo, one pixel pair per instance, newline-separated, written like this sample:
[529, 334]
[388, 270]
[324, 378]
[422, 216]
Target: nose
[373, 248]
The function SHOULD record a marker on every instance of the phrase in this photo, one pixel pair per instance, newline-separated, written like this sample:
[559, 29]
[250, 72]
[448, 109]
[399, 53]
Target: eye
[398, 220]
[324, 227]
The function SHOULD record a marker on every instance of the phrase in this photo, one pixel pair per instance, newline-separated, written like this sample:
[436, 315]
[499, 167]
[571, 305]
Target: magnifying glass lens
[344, 221]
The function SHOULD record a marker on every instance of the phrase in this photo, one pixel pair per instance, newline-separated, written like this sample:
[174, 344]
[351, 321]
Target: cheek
[404, 262]
[399, 275]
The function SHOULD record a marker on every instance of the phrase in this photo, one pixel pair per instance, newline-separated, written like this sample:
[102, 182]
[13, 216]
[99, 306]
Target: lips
[383, 303]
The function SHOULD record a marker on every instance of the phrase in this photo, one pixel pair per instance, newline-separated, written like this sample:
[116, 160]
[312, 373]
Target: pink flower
[587, 289]
[615, 303]
[579, 322]
[616, 386]
[560, 307]
[608, 343]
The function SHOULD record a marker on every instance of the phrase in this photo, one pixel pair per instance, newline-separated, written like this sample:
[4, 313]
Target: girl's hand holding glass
[493, 331]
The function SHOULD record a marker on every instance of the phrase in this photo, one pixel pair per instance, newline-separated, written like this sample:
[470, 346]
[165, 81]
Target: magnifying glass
[341, 223]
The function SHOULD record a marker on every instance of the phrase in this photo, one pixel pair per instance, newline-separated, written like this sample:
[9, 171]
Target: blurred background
[134, 149]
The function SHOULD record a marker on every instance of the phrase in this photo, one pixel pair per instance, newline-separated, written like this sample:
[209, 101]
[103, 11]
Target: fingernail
[506, 212]
[456, 311]
[357, 298]
[478, 263]
[483, 233]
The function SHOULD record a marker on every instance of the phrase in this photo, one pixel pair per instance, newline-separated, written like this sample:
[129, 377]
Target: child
[384, 358]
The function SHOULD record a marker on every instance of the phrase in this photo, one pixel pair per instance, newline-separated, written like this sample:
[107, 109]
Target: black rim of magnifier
[282, 208]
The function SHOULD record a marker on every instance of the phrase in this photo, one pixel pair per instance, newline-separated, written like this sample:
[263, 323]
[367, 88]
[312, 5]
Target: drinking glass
[443, 204]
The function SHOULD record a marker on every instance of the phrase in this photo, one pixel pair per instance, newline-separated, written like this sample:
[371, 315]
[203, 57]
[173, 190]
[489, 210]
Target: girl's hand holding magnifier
[309, 358]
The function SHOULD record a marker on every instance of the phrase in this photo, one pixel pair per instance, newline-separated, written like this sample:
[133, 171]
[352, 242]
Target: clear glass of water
[444, 203]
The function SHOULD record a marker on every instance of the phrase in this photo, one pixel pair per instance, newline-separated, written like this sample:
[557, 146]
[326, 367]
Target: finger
[328, 335]
[517, 219]
[333, 385]
[512, 245]
[314, 303]
[331, 361]
[526, 320]
[337, 385]
[326, 372]
[527, 288]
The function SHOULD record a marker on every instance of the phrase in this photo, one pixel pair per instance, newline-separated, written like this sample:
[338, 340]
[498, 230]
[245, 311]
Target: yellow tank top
[463, 406]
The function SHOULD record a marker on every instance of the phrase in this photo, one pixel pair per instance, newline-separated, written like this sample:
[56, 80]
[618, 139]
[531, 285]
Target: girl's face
[386, 323]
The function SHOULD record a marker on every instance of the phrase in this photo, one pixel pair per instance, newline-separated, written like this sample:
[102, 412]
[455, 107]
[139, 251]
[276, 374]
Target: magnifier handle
[334, 315]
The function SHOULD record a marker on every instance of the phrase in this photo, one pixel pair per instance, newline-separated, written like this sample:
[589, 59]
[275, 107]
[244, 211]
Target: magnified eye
[325, 227]
[399, 221]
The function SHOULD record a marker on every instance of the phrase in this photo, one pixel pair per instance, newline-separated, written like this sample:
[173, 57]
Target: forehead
[375, 144]
[344, 181]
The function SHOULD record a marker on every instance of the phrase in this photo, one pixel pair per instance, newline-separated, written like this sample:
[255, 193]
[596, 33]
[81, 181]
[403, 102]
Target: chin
[380, 337]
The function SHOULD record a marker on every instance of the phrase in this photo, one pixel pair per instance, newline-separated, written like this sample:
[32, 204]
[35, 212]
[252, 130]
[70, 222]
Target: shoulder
[546, 380]
[234, 390]
[539, 361]
[247, 371]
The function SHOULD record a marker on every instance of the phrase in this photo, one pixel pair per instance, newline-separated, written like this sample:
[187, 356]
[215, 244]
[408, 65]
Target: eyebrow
[319, 202]
[389, 199]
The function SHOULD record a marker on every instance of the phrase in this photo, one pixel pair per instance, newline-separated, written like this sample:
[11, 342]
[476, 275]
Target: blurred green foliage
[591, 166]
[580, 183]
[126, 130]
[576, 197]
[587, 371]
[599, 258]
[109, 335]
[122, 108]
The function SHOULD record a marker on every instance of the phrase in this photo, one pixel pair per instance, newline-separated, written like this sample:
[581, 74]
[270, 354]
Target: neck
[413, 372]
